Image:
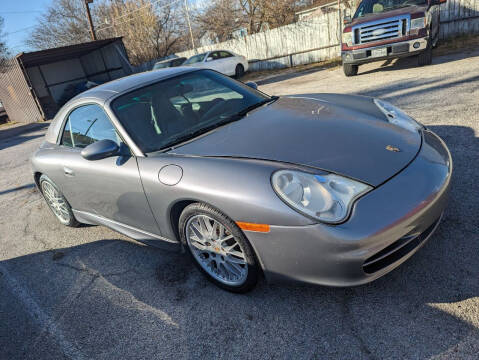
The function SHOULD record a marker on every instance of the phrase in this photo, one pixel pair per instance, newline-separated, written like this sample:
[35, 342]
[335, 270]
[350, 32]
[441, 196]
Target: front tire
[425, 58]
[57, 202]
[219, 248]
[239, 71]
[350, 70]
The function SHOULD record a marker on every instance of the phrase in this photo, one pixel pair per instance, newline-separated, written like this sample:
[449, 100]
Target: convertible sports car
[325, 189]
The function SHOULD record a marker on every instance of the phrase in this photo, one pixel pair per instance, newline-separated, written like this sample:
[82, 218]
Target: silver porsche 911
[326, 189]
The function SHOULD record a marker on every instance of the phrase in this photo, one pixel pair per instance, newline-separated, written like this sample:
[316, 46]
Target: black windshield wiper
[254, 106]
[182, 138]
[190, 135]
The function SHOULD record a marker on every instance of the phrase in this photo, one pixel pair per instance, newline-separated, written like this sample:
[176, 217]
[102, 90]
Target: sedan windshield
[379, 6]
[195, 59]
[174, 110]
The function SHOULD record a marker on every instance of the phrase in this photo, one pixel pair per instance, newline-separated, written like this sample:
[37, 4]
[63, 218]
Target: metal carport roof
[62, 53]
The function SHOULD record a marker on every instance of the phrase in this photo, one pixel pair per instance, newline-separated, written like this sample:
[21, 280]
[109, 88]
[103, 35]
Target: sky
[19, 14]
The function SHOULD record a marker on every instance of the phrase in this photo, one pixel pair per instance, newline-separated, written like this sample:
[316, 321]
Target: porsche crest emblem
[392, 148]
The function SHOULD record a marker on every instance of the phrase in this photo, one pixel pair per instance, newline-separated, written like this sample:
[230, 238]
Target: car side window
[86, 125]
[215, 55]
[225, 54]
[178, 62]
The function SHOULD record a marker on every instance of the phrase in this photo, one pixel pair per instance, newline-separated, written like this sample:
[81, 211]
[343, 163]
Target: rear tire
[219, 248]
[57, 203]
[425, 58]
[239, 71]
[350, 70]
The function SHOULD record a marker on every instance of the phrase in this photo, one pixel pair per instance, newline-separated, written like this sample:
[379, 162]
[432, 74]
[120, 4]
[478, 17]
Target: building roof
[316, 4]
[62, 53]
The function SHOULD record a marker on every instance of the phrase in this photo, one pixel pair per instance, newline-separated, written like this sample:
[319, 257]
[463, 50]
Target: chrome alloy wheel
[56, 202]
[216, 250]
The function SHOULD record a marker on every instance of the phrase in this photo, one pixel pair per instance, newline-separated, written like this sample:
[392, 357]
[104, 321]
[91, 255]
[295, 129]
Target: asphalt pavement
[90, 293]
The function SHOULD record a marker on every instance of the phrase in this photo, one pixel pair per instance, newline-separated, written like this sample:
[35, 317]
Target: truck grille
[381, 30]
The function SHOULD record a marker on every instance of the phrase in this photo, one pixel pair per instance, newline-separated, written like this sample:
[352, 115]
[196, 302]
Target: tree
[221, 18]
[4, 54]
[150, 29]
[64, 23]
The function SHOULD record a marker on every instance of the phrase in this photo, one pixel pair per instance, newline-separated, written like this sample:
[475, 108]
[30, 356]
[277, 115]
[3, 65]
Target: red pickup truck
[388, 29]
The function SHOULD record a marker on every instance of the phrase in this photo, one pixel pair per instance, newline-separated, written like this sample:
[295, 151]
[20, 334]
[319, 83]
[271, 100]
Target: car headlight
[348, 38]
[418, 23]
[398, 117]
[327, 198]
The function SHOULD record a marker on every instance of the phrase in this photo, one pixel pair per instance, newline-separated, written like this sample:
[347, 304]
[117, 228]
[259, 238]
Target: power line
[20, 12]
[19, 30]
[138, 9]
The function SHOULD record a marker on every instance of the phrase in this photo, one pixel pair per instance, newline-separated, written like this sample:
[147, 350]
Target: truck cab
[388, 29]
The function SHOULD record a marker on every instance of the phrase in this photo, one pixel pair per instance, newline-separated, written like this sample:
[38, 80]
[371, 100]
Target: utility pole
[92, 28]
[340, 24]
[189, 25]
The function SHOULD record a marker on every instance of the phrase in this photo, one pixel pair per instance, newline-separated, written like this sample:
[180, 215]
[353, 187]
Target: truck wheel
[350, 70]
[425, 58]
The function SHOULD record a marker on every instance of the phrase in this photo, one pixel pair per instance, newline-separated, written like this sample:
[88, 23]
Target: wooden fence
[459, 17]
[314, 40]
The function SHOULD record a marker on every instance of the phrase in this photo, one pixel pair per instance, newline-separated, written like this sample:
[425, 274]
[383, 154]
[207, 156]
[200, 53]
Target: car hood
[343, 134]
[388, 14]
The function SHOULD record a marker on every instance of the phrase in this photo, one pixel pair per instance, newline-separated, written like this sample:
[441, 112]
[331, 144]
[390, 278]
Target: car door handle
[68, 171]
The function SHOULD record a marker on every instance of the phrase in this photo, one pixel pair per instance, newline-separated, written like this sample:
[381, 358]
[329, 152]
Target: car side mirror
[100, 150]
[252, 84]
[347, 20]
[209, 58]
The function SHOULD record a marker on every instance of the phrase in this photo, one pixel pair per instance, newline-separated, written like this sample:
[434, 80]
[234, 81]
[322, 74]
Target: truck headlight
[327, 198]
[418, 23]
[397, 116]
[348, 38]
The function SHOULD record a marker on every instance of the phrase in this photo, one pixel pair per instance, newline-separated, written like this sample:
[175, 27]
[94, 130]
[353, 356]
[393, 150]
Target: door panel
[216, 63]
[111, 187]
[228, 62]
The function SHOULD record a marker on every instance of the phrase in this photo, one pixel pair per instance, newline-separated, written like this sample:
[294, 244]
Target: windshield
[173, 110]
[379, 6]
[195, 59]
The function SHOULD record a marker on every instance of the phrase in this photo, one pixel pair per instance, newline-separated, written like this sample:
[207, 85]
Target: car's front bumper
[386, 227]
[394, 50]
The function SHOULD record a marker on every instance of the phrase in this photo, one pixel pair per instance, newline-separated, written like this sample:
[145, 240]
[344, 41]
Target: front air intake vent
[396, 250]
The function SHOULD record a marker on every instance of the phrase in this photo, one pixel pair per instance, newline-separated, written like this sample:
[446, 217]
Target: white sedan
[223, 61]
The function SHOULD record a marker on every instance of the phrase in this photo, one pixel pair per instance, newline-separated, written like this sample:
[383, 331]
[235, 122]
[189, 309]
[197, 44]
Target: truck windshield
[380, 6]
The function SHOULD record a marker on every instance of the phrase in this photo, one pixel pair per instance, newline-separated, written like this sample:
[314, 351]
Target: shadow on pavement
[123, 300]
[411, 62]
[18, 188]
[19, 134]
[413, 88]
[387, 65]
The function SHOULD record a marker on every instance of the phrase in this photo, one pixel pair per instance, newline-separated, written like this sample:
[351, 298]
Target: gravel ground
[90, 293]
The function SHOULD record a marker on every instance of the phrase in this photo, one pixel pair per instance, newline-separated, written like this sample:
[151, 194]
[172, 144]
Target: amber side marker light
[253, 227]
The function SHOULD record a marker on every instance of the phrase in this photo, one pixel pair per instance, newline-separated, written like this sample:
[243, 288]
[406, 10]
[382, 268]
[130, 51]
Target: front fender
[240, 188]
